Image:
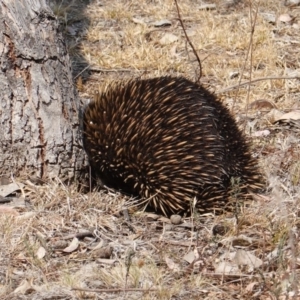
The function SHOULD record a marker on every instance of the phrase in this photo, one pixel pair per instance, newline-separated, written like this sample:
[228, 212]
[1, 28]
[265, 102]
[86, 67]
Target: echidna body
[170, 141]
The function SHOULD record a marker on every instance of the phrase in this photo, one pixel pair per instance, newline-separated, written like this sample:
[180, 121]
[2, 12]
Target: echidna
[170, 141]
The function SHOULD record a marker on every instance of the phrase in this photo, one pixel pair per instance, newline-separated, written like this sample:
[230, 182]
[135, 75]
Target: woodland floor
[65, 244]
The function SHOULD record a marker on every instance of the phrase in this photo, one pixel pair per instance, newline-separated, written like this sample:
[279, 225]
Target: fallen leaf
[16, 201]
[285, 18]
[196, 253]
[168, 38]
[232, 262]
[162, 23]
[207, 6]
[250, 286]
[73, 246]
[273, 115]
[23, 287]
[294, 115]
[21, 257]
[227, 267]
[7, 189]
[137, 21]
[189, 257]
[98, 246]
[245, 258]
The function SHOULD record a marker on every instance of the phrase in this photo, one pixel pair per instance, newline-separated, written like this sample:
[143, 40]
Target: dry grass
[65, 244]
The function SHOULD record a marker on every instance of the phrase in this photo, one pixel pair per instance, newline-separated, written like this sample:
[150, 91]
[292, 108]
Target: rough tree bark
[38, 104]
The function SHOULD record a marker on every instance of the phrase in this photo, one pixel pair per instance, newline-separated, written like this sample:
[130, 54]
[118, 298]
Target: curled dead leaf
[8, 189]
[24, 287]
[243, 257]
[234, 262]
[138, 21]
[73, 246]
[292, 115]
[162, 23]
[250, 286]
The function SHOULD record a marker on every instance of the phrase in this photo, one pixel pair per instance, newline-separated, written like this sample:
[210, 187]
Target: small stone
[175, 219]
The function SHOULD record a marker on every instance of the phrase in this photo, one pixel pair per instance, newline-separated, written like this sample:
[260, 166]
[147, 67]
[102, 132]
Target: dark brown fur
[168, 140]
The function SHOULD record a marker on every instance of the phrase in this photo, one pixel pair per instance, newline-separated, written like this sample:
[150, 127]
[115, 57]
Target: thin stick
[249, 51]
[115, 290]
[255, 80]
[253, 23]
[189, 41]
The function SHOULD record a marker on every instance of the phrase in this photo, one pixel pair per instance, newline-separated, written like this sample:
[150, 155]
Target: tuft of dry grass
[66, 244]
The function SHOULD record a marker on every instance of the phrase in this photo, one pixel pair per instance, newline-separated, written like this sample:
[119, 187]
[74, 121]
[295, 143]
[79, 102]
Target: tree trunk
[38, 106]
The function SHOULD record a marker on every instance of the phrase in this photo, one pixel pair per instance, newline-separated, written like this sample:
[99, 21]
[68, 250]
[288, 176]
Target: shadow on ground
[73, 24]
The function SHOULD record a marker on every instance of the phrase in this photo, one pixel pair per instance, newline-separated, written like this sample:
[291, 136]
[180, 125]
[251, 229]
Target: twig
[128, 262]
[184, 244]
[101, 70]
[115, 290]
[90, 178]
[255, 80]
[189, 41]
[253, 23]
[249, 51]
[95, 69]
[84, 69]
